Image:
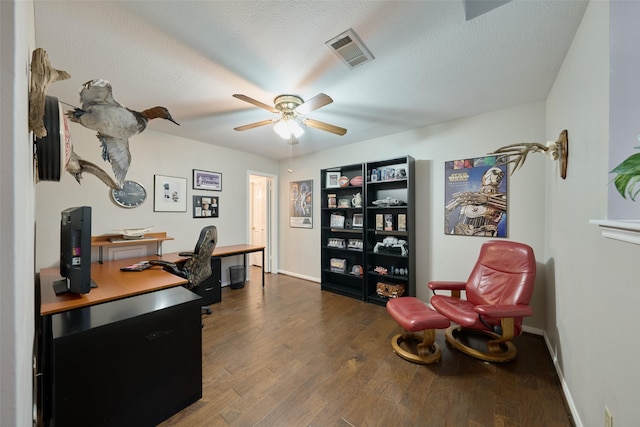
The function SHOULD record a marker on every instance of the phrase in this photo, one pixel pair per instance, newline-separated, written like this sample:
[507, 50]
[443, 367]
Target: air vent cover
[350, 49]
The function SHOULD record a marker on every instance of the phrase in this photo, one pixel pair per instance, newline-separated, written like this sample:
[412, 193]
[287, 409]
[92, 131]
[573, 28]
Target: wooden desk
[112, 284]
[224, 251]
[136, 338]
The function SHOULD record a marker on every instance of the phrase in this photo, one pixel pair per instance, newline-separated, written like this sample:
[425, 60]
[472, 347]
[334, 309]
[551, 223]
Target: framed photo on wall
[170, 194]
[301, 204]
[476, 197]
[205, 180]
[205, 207]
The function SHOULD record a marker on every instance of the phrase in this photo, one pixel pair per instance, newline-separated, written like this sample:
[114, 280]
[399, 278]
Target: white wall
[593, 289]
[152, 153]
[16, 216]
[588, 284]
[438, 256]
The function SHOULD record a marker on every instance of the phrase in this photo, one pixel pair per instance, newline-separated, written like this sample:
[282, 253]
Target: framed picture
[344, 203]
[476, 197]
[388, 222]
[356, 221]
[205, 207]
[338, 265]
[333, 180]
[170, 194]
[337, 220]
[301, 204]
[205, 180]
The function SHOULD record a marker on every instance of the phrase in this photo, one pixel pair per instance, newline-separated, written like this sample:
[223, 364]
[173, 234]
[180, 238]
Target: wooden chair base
[421, 349]
[496, 351]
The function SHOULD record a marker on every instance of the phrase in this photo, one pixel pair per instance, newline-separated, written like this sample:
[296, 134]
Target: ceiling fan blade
[256, 124]
[324, 126]
[256, 103]
[318, 101]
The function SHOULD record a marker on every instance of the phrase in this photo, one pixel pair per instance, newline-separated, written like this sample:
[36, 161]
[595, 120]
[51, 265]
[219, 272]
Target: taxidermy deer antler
[517, 153]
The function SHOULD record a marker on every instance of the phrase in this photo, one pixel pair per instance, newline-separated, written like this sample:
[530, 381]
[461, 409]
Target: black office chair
[198, 267]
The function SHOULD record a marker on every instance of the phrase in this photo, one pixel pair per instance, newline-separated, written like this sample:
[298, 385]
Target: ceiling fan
[292, 110]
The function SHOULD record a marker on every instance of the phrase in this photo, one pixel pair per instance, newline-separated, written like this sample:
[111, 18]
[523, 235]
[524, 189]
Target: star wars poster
[300, 204]
[475, 197]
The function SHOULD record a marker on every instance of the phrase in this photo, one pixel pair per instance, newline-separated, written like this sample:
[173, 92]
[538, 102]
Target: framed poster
[205, 207]
[170, 194]
[475, 197]
[301, 204]
[205, 180]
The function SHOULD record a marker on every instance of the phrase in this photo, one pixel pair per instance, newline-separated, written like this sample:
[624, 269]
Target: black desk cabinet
[130, 362]
[210, 289]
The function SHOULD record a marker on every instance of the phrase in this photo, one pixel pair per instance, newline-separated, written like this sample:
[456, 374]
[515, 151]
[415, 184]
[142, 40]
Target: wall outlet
[608, 418]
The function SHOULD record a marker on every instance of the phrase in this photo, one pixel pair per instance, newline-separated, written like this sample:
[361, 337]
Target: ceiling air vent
[350, 49]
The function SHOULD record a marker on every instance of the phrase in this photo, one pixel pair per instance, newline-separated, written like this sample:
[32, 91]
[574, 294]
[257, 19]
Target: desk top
[112, 284]
[222, 251]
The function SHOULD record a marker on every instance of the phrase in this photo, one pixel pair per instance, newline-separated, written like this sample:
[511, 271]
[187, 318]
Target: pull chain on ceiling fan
[292, 110]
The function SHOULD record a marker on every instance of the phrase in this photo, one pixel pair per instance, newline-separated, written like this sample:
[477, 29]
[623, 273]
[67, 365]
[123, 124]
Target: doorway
[262, 219]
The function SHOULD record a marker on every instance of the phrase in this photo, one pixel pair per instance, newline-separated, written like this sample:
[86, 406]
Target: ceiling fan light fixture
[287, 127]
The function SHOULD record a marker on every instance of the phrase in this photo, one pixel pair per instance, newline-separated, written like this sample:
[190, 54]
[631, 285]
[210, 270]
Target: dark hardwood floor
[293, 355]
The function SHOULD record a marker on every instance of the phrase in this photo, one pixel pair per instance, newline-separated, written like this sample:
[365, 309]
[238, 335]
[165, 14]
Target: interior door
[258, 216]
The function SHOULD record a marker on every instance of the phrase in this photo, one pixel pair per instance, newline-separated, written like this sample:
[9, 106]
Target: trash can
[237, 276]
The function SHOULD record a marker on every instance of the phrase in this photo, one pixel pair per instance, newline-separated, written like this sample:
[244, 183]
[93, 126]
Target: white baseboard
[299, 276]
[565, 388]
[532, 330]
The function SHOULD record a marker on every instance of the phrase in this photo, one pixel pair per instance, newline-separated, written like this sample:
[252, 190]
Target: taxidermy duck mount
[114, 123]
[53, 147]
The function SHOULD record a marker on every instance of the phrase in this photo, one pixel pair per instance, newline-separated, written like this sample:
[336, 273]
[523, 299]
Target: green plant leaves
[628, 180]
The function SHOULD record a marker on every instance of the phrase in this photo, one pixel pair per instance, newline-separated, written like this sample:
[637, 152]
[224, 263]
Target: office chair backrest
[198, 267]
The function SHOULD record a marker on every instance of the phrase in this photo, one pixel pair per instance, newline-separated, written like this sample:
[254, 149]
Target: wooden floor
[293, 355]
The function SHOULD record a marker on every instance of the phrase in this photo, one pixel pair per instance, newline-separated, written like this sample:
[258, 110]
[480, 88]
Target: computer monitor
[75, 251]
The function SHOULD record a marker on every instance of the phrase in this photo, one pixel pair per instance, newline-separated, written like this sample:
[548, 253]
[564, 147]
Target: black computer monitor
[75, 251]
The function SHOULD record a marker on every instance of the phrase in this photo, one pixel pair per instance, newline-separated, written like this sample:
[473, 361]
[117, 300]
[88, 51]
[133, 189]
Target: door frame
[271, 240]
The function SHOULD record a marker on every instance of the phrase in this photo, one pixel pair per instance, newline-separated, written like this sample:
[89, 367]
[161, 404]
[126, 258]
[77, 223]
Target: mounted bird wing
[97, 91]
[116, 151]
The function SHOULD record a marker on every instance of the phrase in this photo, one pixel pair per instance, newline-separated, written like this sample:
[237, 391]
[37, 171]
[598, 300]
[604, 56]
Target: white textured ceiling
[430, 66]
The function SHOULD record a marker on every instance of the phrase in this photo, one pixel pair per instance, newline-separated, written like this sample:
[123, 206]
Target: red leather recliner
[497, 296]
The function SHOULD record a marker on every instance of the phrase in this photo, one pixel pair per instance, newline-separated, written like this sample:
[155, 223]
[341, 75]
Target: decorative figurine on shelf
[392, 245]
[332, 201]
[381, 203]
[114, 123]
[356, 201]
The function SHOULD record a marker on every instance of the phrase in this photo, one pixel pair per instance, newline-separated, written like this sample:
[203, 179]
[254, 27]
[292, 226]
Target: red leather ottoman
[414, 316]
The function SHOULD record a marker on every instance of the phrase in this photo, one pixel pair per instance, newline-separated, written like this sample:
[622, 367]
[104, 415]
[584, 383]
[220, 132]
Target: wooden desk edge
[124, 285]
